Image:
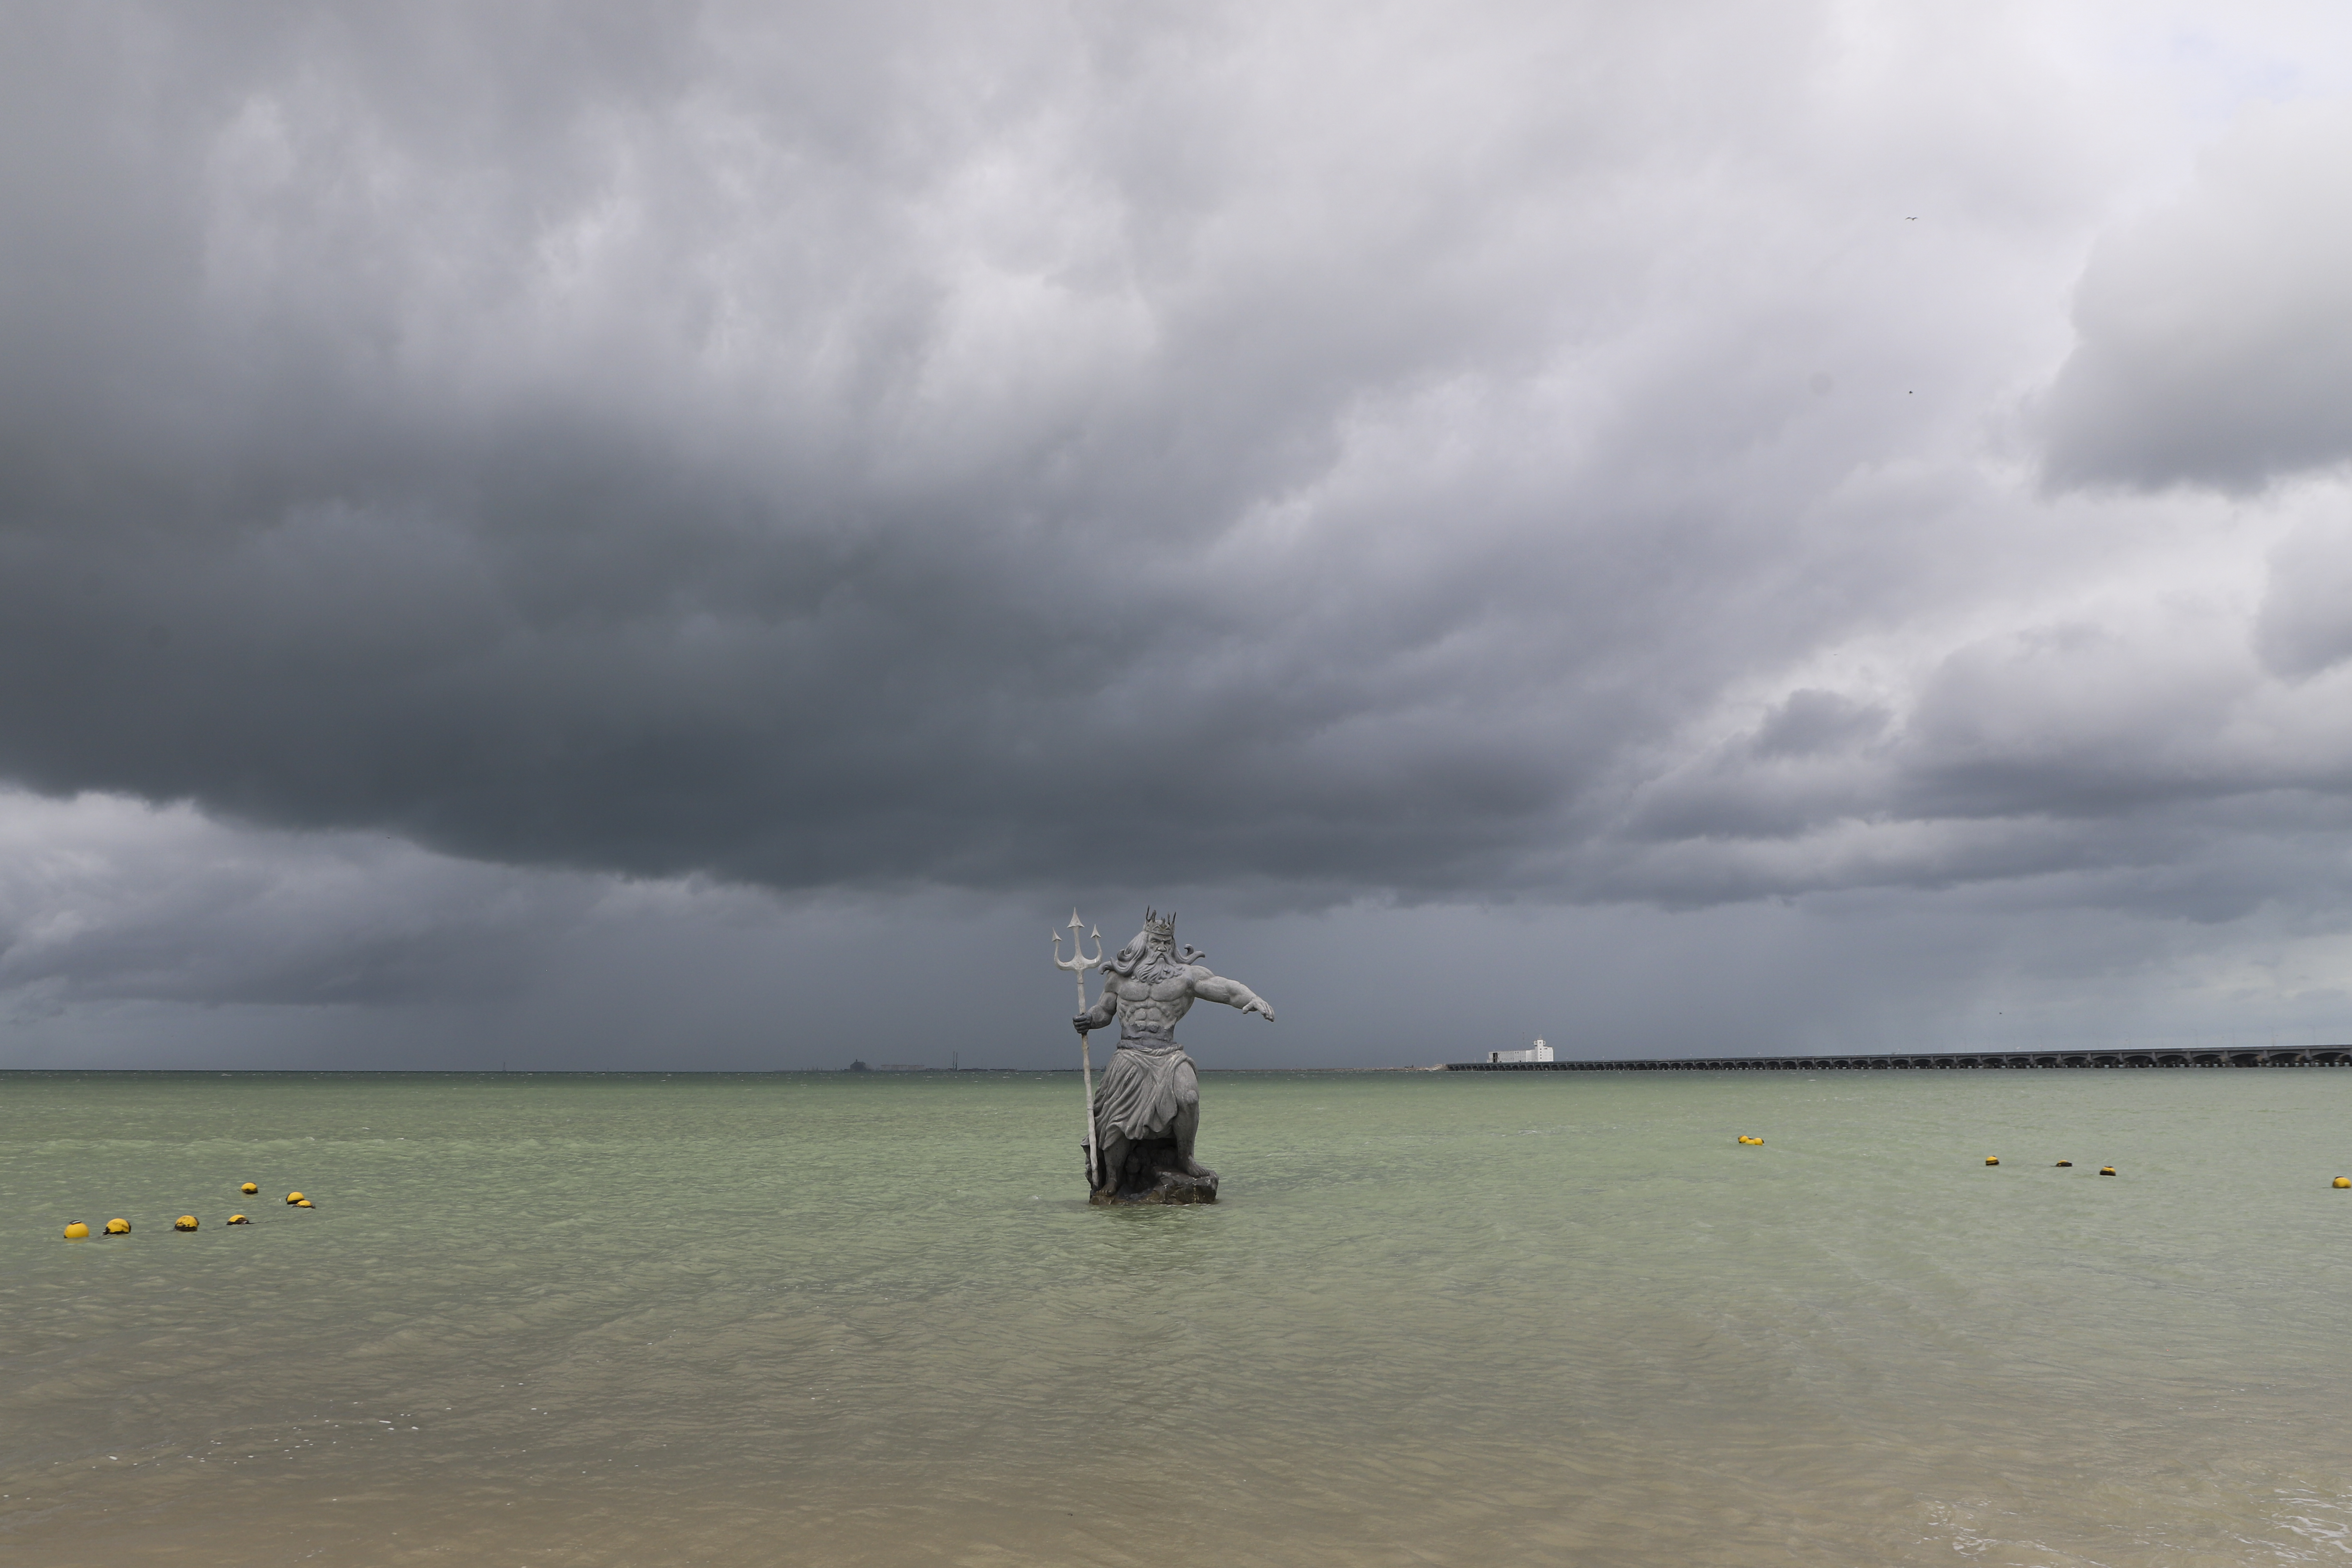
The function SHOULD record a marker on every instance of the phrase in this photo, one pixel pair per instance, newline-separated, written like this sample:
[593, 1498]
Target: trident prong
[1078, 962]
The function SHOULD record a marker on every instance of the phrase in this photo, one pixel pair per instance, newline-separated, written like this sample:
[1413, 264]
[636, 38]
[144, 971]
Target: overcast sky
[688, 536]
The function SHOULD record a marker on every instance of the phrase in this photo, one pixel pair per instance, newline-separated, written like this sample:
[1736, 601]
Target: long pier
[2278, 1057]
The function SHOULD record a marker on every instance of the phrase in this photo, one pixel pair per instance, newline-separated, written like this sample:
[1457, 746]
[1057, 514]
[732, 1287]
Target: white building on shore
[1539, 1052]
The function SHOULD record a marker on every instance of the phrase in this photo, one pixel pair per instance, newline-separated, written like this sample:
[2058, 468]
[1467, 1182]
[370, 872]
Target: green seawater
[1474, 1319]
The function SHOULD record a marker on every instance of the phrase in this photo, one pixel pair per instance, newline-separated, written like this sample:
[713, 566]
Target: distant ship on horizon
[1539, 1052]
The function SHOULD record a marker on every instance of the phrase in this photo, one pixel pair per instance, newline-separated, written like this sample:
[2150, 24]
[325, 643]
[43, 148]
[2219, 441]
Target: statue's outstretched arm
[1232, 993]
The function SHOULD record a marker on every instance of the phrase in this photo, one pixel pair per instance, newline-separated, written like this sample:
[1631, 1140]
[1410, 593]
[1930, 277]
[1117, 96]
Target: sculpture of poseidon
[1148, 1109]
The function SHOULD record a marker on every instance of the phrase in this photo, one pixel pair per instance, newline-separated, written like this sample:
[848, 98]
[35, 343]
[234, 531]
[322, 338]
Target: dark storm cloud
[678, 446]
[145, 937]
[108, 901]
[1526, 453]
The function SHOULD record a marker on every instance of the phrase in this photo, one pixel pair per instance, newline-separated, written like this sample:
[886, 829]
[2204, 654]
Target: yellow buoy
[118, 1228]
[1992, 1159]
[2343, 1180]
[238, 1219]
[248, 1189]
[304, 1204]
[2062, 1164]
[77, 1232]
[293, 1197]
[185, 1222]
[2107, 1170]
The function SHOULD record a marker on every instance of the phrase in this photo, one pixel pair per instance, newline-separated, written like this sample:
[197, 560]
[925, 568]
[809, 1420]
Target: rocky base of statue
[1154, 1174]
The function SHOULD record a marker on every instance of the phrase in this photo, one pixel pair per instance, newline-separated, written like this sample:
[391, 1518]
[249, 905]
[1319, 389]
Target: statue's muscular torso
[1153, 999]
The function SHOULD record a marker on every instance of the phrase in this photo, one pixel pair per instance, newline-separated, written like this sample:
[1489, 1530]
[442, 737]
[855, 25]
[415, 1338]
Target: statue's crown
[1157, 930]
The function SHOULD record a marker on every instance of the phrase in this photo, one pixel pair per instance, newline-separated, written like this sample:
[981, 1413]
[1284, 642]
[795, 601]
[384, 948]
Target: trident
[1078, 964]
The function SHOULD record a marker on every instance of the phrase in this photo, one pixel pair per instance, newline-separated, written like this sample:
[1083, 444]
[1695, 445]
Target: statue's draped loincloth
[1142, 1089]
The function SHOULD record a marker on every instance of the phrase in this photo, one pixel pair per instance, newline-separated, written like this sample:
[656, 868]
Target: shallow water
[1450, 1319]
